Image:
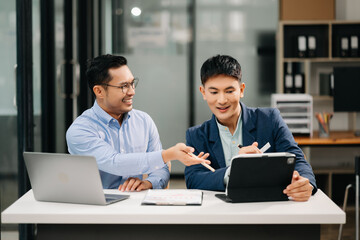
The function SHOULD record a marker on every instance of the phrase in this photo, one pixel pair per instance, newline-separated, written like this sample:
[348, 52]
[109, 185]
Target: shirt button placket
[122, 150]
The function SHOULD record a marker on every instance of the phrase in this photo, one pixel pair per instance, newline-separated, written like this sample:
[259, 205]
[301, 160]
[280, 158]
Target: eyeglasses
[125, 86]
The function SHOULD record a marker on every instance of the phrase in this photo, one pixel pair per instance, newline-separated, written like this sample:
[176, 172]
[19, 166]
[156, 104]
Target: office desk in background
[214, 219]
[336, 139]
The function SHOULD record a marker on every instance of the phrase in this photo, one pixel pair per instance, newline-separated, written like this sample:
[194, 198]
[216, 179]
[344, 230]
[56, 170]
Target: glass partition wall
[154, 36]
[245, 30]
[8, 109]
[166, 42]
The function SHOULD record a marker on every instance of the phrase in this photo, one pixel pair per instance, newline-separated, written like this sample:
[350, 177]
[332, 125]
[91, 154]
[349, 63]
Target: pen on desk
[204, 164]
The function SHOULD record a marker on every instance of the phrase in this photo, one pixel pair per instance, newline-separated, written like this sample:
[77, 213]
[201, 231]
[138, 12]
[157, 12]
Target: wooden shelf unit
[326, 47]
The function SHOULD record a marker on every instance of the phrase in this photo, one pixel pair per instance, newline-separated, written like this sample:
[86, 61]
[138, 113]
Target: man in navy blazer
[234, 124]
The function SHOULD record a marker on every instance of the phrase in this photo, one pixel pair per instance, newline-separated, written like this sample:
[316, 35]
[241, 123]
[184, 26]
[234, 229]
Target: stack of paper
[173, 197]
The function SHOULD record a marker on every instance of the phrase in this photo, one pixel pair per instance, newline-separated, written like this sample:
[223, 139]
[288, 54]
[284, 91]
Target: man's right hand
[253, 148]
[183, 153]
[135, 184]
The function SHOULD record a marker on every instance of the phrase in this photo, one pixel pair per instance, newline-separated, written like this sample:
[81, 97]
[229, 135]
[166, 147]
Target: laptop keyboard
[115, 197]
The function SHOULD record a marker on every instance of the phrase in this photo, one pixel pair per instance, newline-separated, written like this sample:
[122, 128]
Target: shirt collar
[223, 128]
[105, 117]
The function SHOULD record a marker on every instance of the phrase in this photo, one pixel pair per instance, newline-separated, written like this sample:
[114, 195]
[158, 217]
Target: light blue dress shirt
[129, 150]
[230, 143]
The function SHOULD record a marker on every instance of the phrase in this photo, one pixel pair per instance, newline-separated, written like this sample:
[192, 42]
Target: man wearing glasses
[124, 141]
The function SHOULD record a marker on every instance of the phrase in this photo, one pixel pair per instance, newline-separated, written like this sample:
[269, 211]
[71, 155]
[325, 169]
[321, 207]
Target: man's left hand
[300, 188]
[135, 184]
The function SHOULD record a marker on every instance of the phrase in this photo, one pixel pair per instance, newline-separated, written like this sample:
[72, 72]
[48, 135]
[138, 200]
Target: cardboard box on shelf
[307, 9]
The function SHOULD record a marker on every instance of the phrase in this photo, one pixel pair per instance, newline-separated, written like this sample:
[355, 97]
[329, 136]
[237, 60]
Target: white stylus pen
[265, 147]
[204, 164]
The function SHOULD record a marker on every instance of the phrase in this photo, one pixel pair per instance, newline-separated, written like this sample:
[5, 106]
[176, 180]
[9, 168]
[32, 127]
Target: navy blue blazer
[258, 124]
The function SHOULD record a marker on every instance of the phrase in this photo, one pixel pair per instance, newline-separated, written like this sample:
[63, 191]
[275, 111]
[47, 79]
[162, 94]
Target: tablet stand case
[259, 179]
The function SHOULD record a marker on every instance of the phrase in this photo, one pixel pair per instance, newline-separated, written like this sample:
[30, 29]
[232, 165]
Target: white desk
[215, 218]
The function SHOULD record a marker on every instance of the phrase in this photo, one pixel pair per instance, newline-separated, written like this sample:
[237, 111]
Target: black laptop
[259, 177]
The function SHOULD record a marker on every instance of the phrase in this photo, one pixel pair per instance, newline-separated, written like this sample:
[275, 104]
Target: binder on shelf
[325, 84]
[311, 46]
[302, 46]
[288, 79]
[354, 44]
[289, 84]
[344, 50]
[299, 78]
[332, 84]
[299, 83]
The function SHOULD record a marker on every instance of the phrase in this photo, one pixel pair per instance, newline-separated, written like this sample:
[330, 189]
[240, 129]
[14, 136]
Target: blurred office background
[165, 42]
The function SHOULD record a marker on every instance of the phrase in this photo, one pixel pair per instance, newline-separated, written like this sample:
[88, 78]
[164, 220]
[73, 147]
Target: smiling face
[112, 99]
[222, 94]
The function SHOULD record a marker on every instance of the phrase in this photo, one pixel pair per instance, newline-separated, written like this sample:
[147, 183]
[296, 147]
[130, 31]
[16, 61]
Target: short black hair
[98, 69]
[220, 65]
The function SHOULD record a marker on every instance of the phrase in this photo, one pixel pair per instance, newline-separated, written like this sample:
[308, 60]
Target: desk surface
[336, 138]
[318, 210]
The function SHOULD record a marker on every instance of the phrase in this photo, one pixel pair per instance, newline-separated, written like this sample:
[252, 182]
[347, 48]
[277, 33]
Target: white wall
[347, 9]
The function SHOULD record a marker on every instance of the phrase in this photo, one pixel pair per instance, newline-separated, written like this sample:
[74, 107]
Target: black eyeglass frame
[126, 86]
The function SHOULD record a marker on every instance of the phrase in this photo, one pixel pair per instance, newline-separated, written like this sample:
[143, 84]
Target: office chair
[356, 186]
